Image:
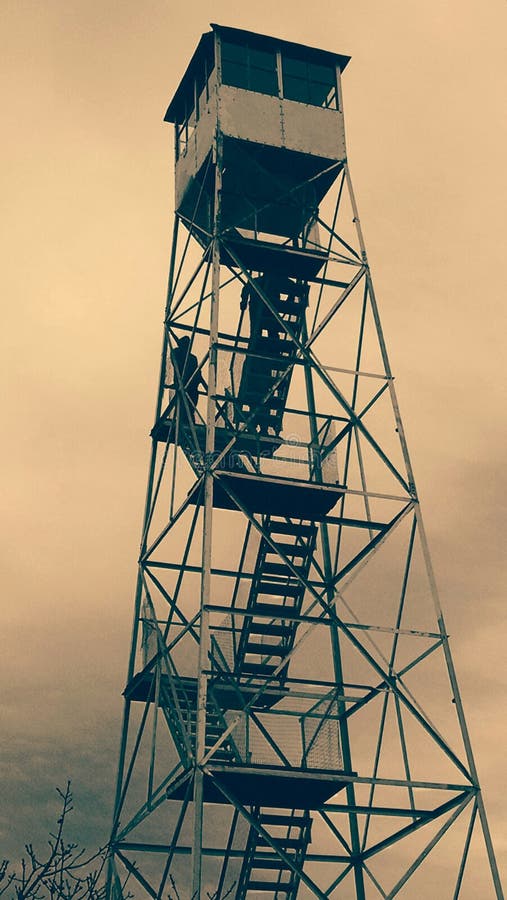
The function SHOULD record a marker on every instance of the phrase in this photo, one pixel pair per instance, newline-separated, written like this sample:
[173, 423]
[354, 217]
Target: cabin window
[202, 89]
[200, 93]
[185, 129]
[193, 105]
[309, 82]
[263, 72]
[249, 68]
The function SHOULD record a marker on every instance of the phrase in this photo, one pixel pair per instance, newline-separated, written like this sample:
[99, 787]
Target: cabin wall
[281, 123]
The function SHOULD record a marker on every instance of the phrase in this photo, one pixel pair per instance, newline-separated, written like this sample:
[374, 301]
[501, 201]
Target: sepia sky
[86, 220]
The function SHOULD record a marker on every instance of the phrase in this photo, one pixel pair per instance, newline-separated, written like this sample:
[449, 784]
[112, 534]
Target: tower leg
[204, 640]
[335, 641]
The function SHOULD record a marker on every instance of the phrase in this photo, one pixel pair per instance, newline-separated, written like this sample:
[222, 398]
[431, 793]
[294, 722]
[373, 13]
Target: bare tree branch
[66, 872]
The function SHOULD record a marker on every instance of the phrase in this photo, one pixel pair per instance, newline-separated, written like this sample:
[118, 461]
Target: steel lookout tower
[293, 725]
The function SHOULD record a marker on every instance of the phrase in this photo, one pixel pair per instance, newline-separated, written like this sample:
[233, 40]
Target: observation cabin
[273, 108]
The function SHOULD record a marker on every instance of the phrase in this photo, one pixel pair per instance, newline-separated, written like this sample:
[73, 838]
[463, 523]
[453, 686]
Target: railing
[301, 733]
[282, 737]
[320, 734]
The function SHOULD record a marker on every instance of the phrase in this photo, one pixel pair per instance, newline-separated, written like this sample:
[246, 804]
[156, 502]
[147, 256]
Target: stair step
[276, 610]
[282, 842]
[258, 669]
[210, 742]
[288, 550]
[276, 346]
[293, 308]
[282, 569]
[279, 819]
[254, 393]
[273, 863]
[224, 757]
[271, 629]
[263, 374]
[291, 528]
[185, 692]
[271, 367]
[186, 699]
[211, 734]
[254, 397]
[265, 649]
[282, 340]
[280, 887]
[190, 709]
[212, 721]
[284, 299]
[278, 588]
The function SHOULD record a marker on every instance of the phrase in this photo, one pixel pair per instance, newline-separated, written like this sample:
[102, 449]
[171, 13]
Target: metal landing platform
[257, 445]
[229, 694]
[273, 495]
[266, 256]
[273, 786]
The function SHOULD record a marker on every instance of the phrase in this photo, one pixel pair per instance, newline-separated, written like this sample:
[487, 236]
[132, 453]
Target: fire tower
[293, 725]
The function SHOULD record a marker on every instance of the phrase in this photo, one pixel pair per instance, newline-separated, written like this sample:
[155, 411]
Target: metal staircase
[270, 353]
[178, 699]
[184, 714]
[276, 597]
[264, 871]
